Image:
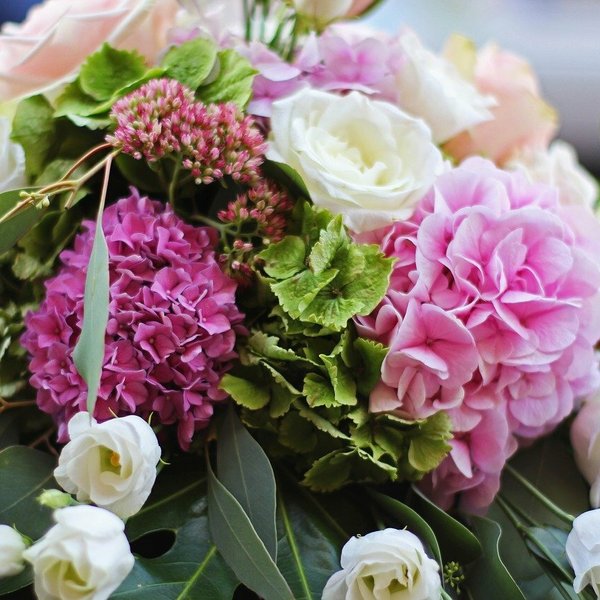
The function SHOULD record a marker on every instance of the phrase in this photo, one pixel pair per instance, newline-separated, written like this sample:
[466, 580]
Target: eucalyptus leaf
[246, 472]
[457, 542]
[405, 516]
[88, 354]
[240, 546]
[488, 578]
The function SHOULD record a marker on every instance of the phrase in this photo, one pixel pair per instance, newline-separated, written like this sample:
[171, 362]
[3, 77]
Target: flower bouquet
[290, 309]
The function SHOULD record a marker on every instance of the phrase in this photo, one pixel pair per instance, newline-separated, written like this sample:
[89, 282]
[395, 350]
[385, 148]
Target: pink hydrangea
[493, 303]
[172, 322]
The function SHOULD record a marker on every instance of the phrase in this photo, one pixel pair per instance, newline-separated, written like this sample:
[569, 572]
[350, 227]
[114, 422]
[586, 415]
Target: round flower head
[161, 118]
[492, 303]
[171, 329]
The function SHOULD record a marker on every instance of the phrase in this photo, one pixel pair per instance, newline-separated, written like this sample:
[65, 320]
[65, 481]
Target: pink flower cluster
[491, 315]
[162, 118]
[171, 330]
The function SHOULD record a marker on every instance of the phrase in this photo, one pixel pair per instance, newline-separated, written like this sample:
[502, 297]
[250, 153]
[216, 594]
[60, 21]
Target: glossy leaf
[246, 472]
[29, 472]
[488, 578]
[88, 354]
[457, 542]
[240, 545]
[309, 541]
[405, 516]
[192, 567]
[12, 230]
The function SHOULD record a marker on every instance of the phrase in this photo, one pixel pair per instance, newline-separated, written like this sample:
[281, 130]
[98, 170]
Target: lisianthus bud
[84, 556]
[583, 551]
[12, 546]
[381, 562]
[55, 499]
[112, 464]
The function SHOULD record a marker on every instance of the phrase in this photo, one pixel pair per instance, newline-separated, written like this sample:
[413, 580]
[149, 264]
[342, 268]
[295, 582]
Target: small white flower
[12, 160]
[583, 551]
[383, 565]
[560, 167]
[12, 547]
[112, 464]
[432, 88]
[362, 158]
[85, 556]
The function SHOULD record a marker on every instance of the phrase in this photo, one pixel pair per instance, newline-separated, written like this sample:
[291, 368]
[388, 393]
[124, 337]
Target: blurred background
[561, 39]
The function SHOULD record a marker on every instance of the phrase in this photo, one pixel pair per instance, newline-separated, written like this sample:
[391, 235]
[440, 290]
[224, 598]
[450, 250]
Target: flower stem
[559, 512]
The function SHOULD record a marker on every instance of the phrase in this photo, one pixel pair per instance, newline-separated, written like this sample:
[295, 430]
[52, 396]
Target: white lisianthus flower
[112, 464]
[85, 556]
[583, 551]
[12, 546]
[388, 564]
[432, 88]
[558, 166]
[362, 158]
[12, 160]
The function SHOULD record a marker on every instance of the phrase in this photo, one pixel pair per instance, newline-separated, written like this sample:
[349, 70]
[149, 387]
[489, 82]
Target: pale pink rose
[522, 119]
[58, 35]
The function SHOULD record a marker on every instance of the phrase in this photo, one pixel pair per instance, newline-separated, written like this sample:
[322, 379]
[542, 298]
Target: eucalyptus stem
[559, 512]
[445, 595]
[509, 511]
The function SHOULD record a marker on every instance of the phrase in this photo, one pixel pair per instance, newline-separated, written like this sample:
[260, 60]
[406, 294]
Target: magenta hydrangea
[492, 315]
[172, 322]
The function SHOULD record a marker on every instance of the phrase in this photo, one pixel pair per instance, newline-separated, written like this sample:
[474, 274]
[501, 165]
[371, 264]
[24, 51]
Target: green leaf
[34, 128]
[246, 472]
[285, 258]
[371, 356]
[408, 517]
[108, 70]
[488, 578]
[233, 82]
[246, 393]
[287, 177]
[192, 62]
[74, 101]
[297, 433]
[318, 391]
[456, 541]
[554, 540]
[344, 387]
[29, 472]
[429, 445]
[240, 545]
[309, 542]
[12, 230]
[192, 568]
[88, 354]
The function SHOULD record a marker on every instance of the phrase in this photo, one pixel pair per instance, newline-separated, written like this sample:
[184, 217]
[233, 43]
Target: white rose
[359, 157]
[12, 547]
[12, 160]
[112, 464]
[560, 167]
[432, 88]
[388, 564]
[84, 556]
[583, 551]
[322, 12]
